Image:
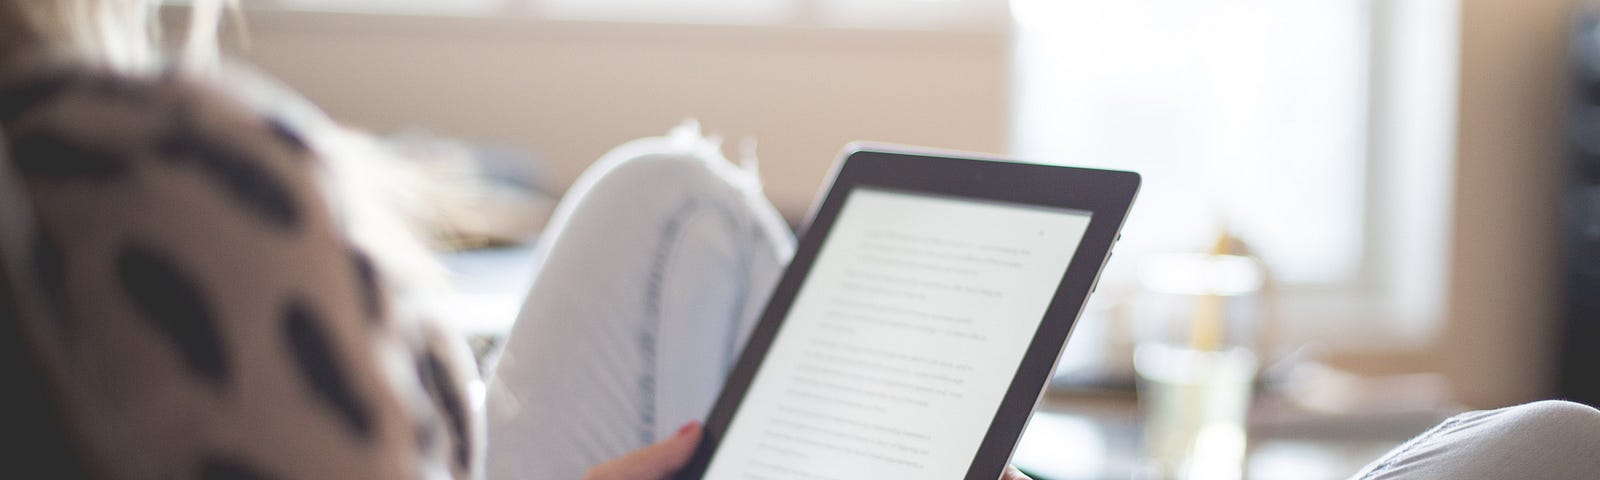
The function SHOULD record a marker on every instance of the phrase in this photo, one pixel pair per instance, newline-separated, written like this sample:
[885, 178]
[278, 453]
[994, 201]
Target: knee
[1561, 409]
[651, 177]
[1554, 418]
[678, 165]
[644, 172]
[660, 180]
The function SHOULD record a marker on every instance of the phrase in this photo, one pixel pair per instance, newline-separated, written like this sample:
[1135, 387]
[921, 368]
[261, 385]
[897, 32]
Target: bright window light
[1249, 113]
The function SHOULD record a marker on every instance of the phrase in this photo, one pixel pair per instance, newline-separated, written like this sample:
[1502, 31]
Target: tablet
[924, 311]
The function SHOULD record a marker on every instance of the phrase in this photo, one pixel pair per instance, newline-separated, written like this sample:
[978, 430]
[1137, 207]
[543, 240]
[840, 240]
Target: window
[1319, 131]
[1245, 112]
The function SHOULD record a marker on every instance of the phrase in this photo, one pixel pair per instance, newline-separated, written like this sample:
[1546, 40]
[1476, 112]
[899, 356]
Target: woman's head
[118, 34]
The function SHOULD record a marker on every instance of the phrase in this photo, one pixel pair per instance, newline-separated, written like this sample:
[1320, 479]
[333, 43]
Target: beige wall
[571, 91]
[1496, 346]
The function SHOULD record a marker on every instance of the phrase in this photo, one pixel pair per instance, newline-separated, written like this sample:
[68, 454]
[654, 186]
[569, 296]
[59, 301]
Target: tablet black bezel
[1108, 194]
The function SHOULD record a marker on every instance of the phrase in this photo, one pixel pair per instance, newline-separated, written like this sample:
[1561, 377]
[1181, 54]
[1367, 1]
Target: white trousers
[656, 265]
[1550, 440]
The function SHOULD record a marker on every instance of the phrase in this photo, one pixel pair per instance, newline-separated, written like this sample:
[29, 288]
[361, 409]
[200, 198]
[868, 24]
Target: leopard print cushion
[197, 304]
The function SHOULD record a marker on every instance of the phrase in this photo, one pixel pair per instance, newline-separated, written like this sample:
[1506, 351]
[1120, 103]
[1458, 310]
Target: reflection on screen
[902, 341]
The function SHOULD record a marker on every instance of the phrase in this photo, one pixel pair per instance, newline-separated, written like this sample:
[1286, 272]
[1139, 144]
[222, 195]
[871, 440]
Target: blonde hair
[116, 34]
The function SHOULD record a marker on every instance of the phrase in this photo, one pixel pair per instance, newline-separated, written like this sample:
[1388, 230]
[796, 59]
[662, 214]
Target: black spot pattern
[313, 352]
[49, 267]
[8, 303]
[19, 99]
[441, 384]
[367, 285]
[286, 134]
[241, 175]
[223, 468]
[34, 417]
[425, 432]
[174, 304]
[47, 155]
[127, 89]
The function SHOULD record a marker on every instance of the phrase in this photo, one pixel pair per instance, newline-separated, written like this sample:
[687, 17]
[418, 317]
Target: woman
[202, 287]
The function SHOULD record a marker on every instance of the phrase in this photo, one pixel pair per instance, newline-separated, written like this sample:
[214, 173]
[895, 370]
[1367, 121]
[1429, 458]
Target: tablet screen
[902, 339]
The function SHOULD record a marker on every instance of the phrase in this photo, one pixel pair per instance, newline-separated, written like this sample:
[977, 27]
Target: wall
[563, 89]
[570, 91]
[1497, 345]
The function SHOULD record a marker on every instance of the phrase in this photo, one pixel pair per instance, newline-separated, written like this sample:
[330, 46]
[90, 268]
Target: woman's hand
[655, 462]
[660, 461]
[1013, 474]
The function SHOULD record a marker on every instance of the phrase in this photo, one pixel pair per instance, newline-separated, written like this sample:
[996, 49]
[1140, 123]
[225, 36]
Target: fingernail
[686, 428]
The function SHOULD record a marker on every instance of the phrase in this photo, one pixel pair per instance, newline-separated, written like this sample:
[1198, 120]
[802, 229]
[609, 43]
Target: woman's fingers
[655, 462]
[1013, 474]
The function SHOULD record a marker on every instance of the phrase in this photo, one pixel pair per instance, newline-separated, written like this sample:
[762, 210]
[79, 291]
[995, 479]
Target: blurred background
[1387, 204]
